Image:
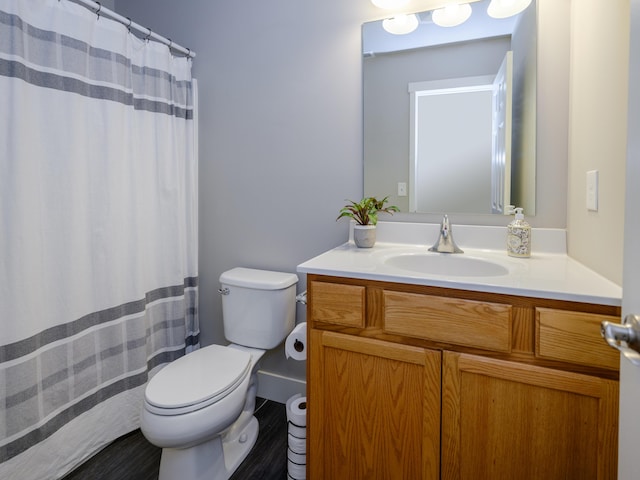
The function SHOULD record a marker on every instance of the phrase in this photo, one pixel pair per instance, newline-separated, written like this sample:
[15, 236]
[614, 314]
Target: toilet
[199, 408]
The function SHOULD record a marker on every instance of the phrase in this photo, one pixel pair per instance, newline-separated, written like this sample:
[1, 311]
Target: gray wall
[523, 127]
[280, 133]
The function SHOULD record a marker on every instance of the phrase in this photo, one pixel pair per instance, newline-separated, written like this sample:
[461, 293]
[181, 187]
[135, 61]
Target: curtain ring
[129, 25]
[148, 35]
[98, 10]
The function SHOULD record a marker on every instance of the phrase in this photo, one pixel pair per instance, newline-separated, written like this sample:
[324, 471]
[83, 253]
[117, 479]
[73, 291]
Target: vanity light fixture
[506, 8]
[452, 15]
[401, 24]
[390, 4]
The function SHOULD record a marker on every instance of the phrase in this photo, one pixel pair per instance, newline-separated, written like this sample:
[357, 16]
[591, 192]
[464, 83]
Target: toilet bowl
[195, 414]
[199, 408]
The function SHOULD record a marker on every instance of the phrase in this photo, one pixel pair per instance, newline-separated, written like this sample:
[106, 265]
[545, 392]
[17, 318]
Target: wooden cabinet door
[504, 420]
[373, 409]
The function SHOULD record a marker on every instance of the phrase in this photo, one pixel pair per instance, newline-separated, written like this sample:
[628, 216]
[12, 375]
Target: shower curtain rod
[100, 10]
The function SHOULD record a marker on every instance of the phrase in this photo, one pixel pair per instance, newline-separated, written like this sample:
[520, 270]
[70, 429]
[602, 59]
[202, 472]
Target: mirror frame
[523, 139]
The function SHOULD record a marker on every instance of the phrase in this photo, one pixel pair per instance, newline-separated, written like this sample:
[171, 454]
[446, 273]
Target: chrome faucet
[445, 243]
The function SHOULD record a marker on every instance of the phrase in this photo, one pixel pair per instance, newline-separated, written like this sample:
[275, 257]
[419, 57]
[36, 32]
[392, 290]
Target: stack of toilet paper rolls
[297, 437]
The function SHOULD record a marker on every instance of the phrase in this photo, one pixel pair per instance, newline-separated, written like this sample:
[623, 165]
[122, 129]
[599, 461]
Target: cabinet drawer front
[451, 320]
[337, 303]
[574, 337]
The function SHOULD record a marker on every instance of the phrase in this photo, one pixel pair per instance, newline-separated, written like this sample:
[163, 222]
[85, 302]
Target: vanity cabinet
[375, 409]
[508, 420]
[417, 382]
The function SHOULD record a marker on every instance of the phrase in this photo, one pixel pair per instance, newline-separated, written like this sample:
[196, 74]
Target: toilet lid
[202, 376]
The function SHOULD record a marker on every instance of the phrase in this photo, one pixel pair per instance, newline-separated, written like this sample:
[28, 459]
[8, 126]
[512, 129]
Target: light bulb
[400, 24]
[390, 4]
[451, 15]
[506, 8]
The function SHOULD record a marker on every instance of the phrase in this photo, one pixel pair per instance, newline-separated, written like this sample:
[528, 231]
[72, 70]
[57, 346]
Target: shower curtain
[98, 230]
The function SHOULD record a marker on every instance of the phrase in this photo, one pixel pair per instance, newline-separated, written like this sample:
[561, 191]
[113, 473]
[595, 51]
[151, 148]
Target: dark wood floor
[133, 458]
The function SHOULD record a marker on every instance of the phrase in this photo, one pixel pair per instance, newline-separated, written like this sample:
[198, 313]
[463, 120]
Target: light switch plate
[402, 189]
[592, 190]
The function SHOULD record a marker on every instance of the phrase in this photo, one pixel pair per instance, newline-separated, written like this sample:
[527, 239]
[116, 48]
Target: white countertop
[548, 273]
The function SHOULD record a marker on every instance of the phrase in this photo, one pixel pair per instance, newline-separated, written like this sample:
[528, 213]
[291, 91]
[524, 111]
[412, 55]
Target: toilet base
[237, 447]
[215, 459]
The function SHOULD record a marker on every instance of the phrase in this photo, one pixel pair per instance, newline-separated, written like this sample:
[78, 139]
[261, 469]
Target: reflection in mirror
[441, 122]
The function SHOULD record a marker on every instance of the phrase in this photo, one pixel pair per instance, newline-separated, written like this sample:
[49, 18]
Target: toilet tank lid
[259, 279]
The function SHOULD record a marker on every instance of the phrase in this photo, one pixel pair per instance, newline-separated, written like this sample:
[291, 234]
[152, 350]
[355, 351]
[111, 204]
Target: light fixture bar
[390, 4]
[401, 24]
[506, 8]
[452, 15]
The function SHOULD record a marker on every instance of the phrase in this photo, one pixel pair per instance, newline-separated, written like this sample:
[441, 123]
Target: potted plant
[365, 213]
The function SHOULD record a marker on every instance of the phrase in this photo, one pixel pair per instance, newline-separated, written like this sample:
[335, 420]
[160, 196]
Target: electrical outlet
[592, 190]
[402, 189]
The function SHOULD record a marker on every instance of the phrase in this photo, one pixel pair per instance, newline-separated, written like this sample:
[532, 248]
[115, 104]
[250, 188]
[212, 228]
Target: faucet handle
[445, 243]
[445, 226]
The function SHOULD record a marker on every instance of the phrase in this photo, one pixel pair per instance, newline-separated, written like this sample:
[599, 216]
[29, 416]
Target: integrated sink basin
[456, 265]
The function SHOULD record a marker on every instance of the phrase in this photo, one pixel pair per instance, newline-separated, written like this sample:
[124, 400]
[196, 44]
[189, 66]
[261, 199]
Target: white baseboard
[279, 388]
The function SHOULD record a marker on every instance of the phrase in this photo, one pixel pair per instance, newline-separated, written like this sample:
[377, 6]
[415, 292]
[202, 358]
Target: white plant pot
[364, 236]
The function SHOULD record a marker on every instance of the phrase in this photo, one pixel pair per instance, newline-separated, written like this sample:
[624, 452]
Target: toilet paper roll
[295, 345]
[289, 402]
[296, 431]
[297, 458]
[297, 410]
[295, 471]
[297, 445]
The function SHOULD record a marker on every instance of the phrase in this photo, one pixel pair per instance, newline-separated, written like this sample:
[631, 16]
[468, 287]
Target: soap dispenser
[519, 236]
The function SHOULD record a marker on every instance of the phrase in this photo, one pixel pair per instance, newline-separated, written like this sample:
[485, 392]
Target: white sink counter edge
[549, 272]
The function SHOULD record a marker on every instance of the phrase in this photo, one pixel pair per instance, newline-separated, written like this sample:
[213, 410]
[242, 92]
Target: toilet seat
[197, 380]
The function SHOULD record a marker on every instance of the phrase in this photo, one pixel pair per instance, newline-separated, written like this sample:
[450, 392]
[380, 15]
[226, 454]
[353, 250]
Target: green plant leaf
[365, 212]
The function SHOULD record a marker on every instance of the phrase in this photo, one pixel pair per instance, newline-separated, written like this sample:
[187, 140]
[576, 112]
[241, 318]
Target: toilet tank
[258, 306]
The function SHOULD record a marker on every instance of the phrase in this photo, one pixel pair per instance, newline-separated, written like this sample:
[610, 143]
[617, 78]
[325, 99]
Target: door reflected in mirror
[439, 117]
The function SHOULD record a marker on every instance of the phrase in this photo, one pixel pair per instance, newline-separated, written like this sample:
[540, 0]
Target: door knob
[624, 337]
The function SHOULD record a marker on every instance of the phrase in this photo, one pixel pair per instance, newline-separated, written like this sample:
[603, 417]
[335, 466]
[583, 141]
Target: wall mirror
[450, 114]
